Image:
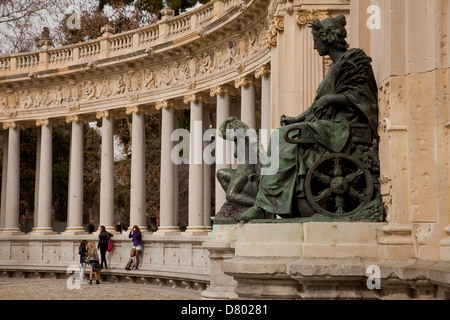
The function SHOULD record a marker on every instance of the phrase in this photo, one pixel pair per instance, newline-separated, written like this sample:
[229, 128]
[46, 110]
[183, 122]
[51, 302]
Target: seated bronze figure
[328, 155]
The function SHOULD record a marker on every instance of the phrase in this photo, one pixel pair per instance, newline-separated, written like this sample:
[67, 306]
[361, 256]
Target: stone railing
[167, 29]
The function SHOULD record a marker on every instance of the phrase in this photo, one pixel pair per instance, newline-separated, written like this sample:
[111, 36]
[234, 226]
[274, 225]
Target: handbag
[96, 266]
[110, 246]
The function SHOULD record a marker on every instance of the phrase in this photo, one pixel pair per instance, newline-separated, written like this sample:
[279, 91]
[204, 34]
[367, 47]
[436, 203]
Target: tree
[21, 22]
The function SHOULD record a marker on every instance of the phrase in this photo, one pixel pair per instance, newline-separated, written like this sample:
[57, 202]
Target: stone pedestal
[267, 252]
[221, 248]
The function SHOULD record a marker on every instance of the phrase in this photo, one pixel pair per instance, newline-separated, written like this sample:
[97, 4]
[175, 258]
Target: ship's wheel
[338, 185]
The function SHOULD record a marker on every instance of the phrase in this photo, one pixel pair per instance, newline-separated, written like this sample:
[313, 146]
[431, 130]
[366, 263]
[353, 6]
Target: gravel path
[48, 289]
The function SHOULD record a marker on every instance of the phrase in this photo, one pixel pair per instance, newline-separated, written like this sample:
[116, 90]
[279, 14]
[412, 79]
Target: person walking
[103, 242]
[135, 233]
[93, 260]
[83, 252]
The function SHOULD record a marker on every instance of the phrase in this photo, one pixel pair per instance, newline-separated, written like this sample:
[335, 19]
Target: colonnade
[199, 210]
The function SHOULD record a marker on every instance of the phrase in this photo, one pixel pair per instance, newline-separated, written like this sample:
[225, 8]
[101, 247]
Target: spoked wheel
[338, 185]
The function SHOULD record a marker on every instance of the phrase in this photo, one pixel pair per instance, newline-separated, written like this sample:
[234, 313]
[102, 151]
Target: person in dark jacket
[83, 252]
[103, 242]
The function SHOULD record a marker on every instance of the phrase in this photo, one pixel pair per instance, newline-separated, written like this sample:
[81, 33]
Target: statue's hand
[287, 120]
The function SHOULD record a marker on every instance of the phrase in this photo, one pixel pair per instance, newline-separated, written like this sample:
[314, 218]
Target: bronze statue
[328, 155]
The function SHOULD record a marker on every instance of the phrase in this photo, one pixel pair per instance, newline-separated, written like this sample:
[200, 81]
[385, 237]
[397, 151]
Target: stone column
[4, 184]
[107, 171]
[36, 180]
[44, 224]
[248, 106]
[75, 197]
[206, 172]
[138, 177]
[168, 209]
[196, 213]
[263, 72]
[223, 111]
[12, 179]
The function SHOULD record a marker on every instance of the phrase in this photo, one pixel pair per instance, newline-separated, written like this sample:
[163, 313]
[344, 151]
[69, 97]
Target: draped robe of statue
[352, 76]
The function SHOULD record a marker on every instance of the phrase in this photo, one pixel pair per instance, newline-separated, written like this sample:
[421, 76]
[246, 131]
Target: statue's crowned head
[331, 31]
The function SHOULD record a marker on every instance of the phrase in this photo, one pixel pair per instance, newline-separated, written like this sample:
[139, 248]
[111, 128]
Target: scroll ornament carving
[195, 98]
[42, 122]
[9, 125]
[277, 25]
[304, 17]
[245, 81]
[134, 110]
[166, 104]
[103, 114]
[222, 90]
[73, 119]
[263, 71]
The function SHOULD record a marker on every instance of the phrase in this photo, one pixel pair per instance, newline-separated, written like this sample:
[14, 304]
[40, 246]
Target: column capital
[263, 70]
[196, 98]
[134, 110]
[103, 114]
[42, 122]
[223, 90]
[166, 104]
[74, 119]
[9, 125]
[304, 17]
[246, 81]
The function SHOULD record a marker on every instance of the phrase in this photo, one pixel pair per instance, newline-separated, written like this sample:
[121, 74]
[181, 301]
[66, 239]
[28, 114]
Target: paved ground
[47, 289]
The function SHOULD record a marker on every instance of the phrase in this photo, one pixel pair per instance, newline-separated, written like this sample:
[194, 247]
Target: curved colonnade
[214, 59]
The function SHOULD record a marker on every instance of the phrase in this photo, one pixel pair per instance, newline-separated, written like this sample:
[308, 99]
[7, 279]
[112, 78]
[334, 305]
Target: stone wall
[173, 261]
